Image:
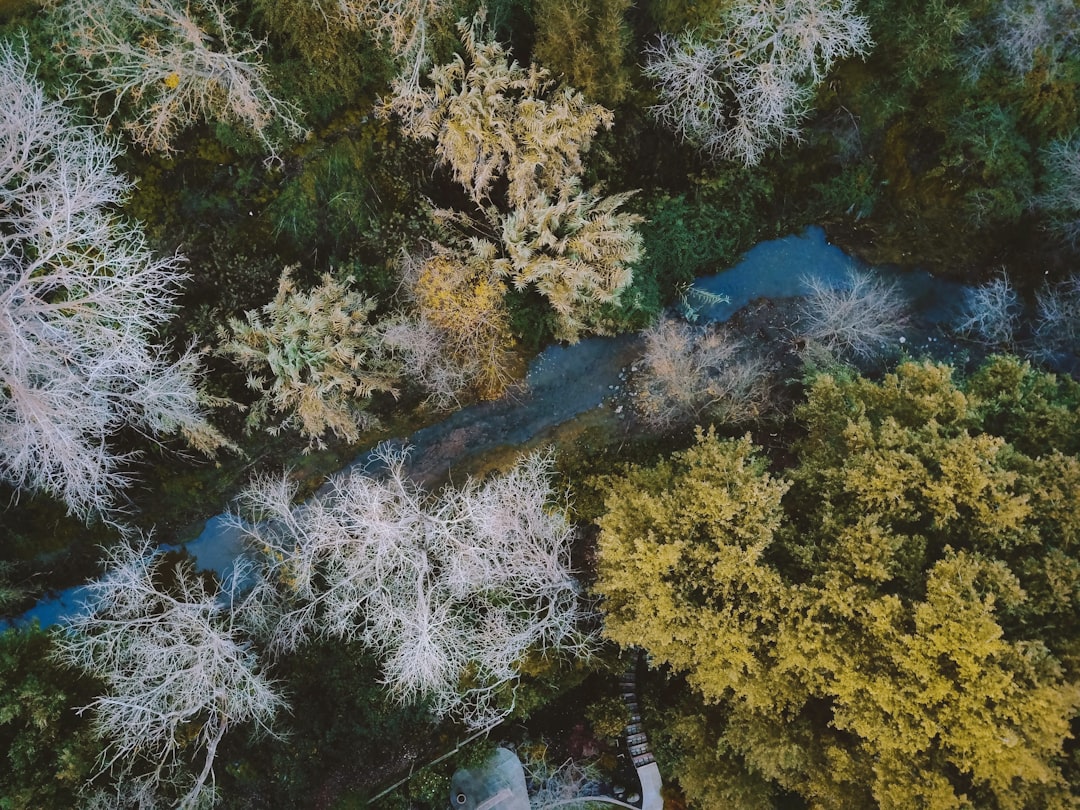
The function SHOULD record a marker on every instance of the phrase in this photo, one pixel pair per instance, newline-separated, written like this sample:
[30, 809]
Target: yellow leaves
[466, 303]
[896, 630]
[172, 81]
[679, 561]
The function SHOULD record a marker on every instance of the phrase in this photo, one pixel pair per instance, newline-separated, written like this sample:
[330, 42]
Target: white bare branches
[1061, 195]
[568, 784]
[167, 65]
[177, 673]
[81, 299]
[1026, 29]
[401, 25]
[1057, 319]
[745, 86]
[991, 313]
[690, 371]
[449, 591]
[858, 319]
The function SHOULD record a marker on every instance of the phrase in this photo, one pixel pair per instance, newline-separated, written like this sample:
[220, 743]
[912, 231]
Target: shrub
[690, 372]
[315, 357]
[1057, 319]
[857, 320]
[991, 313]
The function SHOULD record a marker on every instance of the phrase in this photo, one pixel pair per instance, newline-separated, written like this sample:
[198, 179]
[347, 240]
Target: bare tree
[1057, 319]
[177, 672]
[1022, 34]
[991, 312]
[449, 590]
[746, 84]
[402, 25]
[858, 319]
[692, 371]
[1061, 195]
[81, 300]
[167, 65]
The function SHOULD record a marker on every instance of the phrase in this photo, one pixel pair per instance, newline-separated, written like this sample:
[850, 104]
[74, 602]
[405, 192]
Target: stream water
[566, 381]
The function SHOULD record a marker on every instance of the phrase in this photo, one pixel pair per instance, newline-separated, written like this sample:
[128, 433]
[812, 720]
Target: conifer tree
[496, 126]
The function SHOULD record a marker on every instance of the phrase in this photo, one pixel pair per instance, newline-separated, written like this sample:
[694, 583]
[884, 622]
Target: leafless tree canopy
[81, 300]
[991, 313]
[688, 372]
[746, 83]
[177, 673]
[1061, 196]
[858, 319]
[170, 65]
[1057, 319]
[449, 590]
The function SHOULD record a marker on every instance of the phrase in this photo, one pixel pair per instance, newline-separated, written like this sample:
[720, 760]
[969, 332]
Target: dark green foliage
[358, 189]
[853, 191]
[321, 63]
[48, 750]
[682, 240]
[920, 38]
[585, 43]
[985, 150]
[342, 733]
[689, 234]
[1036, 412]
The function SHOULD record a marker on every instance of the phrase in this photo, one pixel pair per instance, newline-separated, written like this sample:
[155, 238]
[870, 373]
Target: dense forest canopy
[279, 232]
[888, 620]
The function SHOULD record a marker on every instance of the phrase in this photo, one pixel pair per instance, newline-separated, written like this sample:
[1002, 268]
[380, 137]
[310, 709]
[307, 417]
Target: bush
[856, 320]
[1057, 319]
[690, 372]
[991, 313]
[586, 43]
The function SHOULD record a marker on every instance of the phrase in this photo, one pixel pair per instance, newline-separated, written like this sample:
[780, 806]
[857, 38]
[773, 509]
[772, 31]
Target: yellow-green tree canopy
[893, 623]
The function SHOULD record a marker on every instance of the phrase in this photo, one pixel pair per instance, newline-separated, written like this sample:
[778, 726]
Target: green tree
[586, 42]
[895, 627]
[48, 750]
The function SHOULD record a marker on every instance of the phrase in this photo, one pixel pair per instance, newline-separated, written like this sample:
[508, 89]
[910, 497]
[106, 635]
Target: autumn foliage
[891, 621]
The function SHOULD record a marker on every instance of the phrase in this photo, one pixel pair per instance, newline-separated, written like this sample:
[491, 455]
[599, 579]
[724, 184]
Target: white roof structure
[499, 784]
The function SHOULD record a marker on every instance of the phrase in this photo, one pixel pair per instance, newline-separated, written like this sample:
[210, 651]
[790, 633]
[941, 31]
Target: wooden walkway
[637, 742]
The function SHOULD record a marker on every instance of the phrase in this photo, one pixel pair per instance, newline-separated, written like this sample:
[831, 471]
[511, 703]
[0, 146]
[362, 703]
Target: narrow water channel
[564, 382]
